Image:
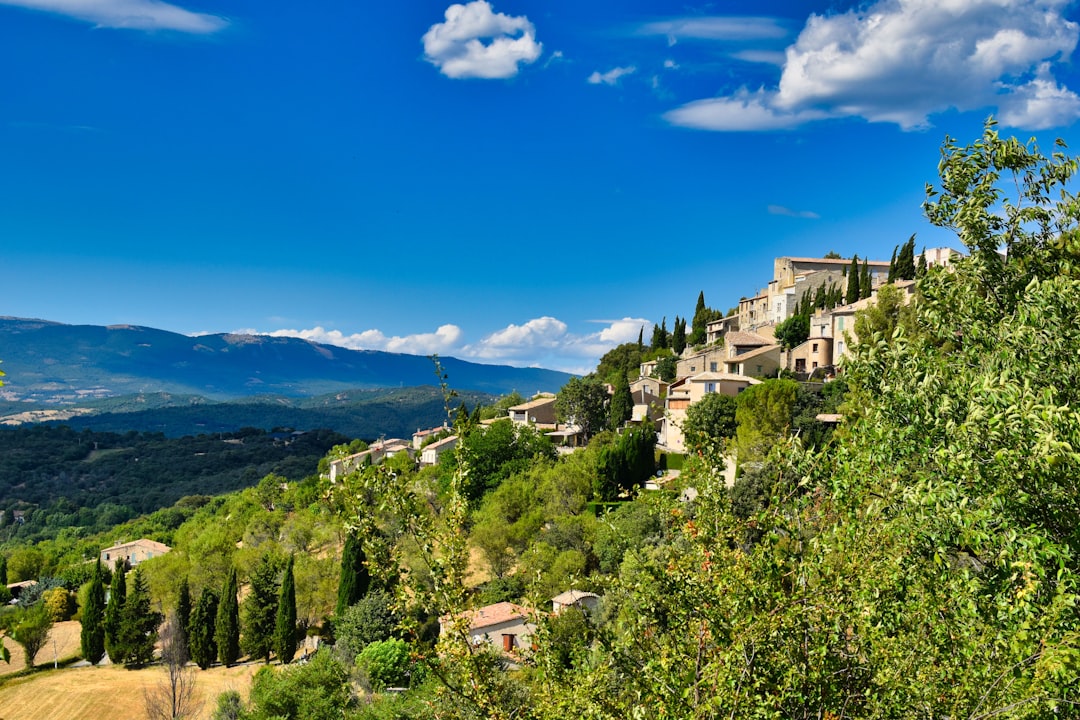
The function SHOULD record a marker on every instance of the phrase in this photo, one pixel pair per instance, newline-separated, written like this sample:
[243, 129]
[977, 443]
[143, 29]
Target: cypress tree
[138, 623]
[892, 265]
[227, 623]
[260, 610]
[3, 560]
[92, 637]
[920, 267]
[201, 641]
[641, 338]
[865, 288]
[905, 261]
[852, 293]
[183, 615]
[355, 579]
[622, 403]
[702, 315]
[113, 613]
[665, 338]
[285, 623]
[678, 336]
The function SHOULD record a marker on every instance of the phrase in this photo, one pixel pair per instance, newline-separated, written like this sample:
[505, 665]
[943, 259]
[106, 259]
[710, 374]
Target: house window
[693, 368]
[758, 369]
[840, 323]
[712, 367]
[815, 366]
[710, 387]
[508, 642]
[813, 347]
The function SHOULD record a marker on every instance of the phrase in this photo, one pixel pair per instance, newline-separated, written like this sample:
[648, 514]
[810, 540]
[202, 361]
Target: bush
[385, 664]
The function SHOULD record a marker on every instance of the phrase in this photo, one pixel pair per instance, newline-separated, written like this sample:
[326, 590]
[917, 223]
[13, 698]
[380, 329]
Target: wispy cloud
[443, 339]
[129, 14]
[901, 62]
[788, 212]
[715, 28]
[611, 77]
[456, 46]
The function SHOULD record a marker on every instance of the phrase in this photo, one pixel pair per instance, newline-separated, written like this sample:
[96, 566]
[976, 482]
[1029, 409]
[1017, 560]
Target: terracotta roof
[722, 376]
[752, 354]
[534, 403]
[143, 543]
[837, 261]
[738, 337]
[496, 614]
[449, 440]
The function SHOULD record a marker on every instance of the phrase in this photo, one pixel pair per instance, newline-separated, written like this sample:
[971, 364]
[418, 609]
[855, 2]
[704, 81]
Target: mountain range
[53, 363]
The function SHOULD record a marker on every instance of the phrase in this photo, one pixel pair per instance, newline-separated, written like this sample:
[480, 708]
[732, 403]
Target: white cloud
[788, 212]
[715, 28]
[765, 57]
[456, 46]
[129, 14]
[611, 77]
[541, 342]
[901, 61]
[670, 64]
[445, 338]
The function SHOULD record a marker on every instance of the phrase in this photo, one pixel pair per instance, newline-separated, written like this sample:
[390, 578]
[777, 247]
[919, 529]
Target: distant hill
[365, 414]
[52, 363]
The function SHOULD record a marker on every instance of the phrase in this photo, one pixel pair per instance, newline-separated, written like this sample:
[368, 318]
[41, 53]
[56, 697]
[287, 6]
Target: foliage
[114, 613]
[30, 628]
[678, 336]
[666, 368]
[583, 402]
[138, 631]
[793, 332]
[355, 579]
[315, 690]
[494, 453]
[710, 420]
[183, 614]
[370, 620]
[622, 404]
[627, 463]
[92, 631]
[227, 623]
[624, 360]
[852, 292]
[285, 622]
[763, 414]
[260, 610]
[230, 706]
[201, 629]
[60, 602]
[880, 319]
[385, 663]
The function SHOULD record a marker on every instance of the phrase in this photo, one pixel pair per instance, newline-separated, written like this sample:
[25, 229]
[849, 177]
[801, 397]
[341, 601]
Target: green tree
[370, 620]
[667, 368]
[583, 402]
[183, 615]
[622, 404]
[678, 336]
[385, 663]
[627, 463]
[659, 336]
[881, 318]
[316, 690]
[866, 287]
[285, 622]
[201, 639]
[227, 622]
[710, 420]
[114, 614]
[92, 634]
[138, 624]
[260, 610]
[793, 332]
[355, 578]
[905, 261]
[30, 628]
[763, 413]
[852, 293]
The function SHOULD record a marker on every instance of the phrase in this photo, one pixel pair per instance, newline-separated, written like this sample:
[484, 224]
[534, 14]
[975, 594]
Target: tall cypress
[355, 578]
[227, 623]
[113, 614]
[201, 640]
[92, 636]
[678, 336]
[183, 615]
[865, 288]
[285, 623]
[138, 623]
[260, 610]
[852, 293]
[622, 403]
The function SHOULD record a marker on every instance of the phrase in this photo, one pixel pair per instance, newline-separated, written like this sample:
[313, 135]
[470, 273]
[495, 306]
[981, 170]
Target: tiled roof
[738, 337]
[496, 614]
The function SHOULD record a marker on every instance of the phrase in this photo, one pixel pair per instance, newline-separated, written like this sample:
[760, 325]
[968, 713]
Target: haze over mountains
[48, 362]
[123, 378]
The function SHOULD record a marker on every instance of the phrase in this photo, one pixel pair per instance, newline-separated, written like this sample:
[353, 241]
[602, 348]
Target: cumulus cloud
[788, 212]
[128, 14]
[541, 342]
[445, 338]
[611, 77]
[457, 45]
[901, 61]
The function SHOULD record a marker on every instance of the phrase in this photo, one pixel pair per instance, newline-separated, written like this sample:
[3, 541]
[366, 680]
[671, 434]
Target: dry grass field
[95, 693]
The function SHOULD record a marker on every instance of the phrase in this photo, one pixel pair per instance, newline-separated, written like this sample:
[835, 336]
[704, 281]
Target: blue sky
[515, 182]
